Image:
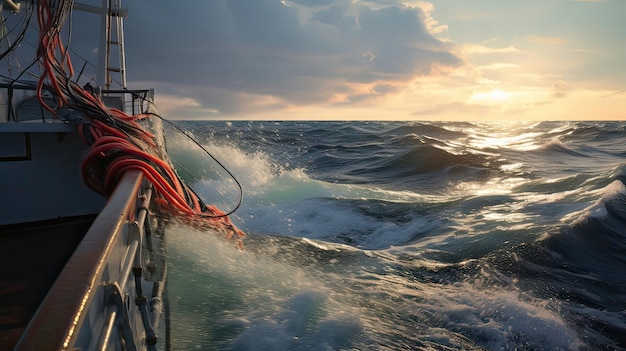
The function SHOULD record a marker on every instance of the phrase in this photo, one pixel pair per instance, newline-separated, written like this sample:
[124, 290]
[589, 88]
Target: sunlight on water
[495, 186]
[510, 135]
[598, 209]
[520, 142]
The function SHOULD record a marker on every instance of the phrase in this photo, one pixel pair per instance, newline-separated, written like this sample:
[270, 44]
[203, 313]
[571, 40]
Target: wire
[27, 14]
[240, 200]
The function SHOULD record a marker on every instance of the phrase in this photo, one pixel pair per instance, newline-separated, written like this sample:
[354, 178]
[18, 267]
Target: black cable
[240, 200]
[28, 15]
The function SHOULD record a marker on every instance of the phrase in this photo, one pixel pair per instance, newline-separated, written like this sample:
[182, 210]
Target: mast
[116, 13]
[11, 4]
[111, 35]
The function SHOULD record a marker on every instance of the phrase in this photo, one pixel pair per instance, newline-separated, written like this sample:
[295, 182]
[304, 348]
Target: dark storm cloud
[299, 52]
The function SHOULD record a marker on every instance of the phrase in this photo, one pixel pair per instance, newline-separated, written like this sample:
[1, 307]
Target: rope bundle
[118, 143]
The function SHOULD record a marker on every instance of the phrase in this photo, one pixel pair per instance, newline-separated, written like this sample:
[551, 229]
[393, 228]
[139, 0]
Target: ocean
[404, 236]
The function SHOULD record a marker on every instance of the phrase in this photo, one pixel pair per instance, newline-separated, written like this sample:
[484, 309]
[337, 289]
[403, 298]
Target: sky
[380, 60]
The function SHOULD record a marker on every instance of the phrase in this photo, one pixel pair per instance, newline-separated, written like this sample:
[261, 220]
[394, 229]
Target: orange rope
[118, 143]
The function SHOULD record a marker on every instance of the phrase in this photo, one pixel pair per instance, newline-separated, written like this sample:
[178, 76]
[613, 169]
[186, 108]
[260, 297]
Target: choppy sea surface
[407, 236]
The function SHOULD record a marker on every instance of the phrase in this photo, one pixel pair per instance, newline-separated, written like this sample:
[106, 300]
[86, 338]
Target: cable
[240, 200]
[27, 14]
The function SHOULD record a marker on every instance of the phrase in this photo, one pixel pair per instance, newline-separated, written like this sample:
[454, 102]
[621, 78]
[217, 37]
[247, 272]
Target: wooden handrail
[56, 323]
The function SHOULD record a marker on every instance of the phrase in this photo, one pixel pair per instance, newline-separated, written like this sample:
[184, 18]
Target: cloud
[481, 49]
[546, 40]
[455, 109]
[613, 94]
[498, 66]
[561, 89]
[229, 55]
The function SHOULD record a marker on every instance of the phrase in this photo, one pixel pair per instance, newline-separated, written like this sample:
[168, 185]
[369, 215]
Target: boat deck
[31, 257]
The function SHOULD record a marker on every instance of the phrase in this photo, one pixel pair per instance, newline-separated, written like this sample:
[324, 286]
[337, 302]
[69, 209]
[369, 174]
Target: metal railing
[19, 102]
[98, 300]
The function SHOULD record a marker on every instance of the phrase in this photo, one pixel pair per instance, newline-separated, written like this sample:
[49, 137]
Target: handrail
[56, 323]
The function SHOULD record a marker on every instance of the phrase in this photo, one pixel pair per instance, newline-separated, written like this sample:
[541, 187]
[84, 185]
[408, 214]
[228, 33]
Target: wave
[293, 293]
[593, 241]
[424, 167]
[597, 131]
[393, 235]
[429, 129]
[577, 265]
[557, 148]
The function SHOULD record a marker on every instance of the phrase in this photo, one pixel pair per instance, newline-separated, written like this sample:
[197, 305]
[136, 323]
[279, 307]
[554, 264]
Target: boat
[86, 191]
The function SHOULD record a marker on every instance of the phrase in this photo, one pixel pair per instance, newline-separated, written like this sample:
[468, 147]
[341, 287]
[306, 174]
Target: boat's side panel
[40, 177]
[32, 255]
[80, 301]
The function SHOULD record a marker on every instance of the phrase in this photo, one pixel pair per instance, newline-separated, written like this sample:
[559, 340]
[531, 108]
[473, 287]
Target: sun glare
[498, 95]
[493, 96]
